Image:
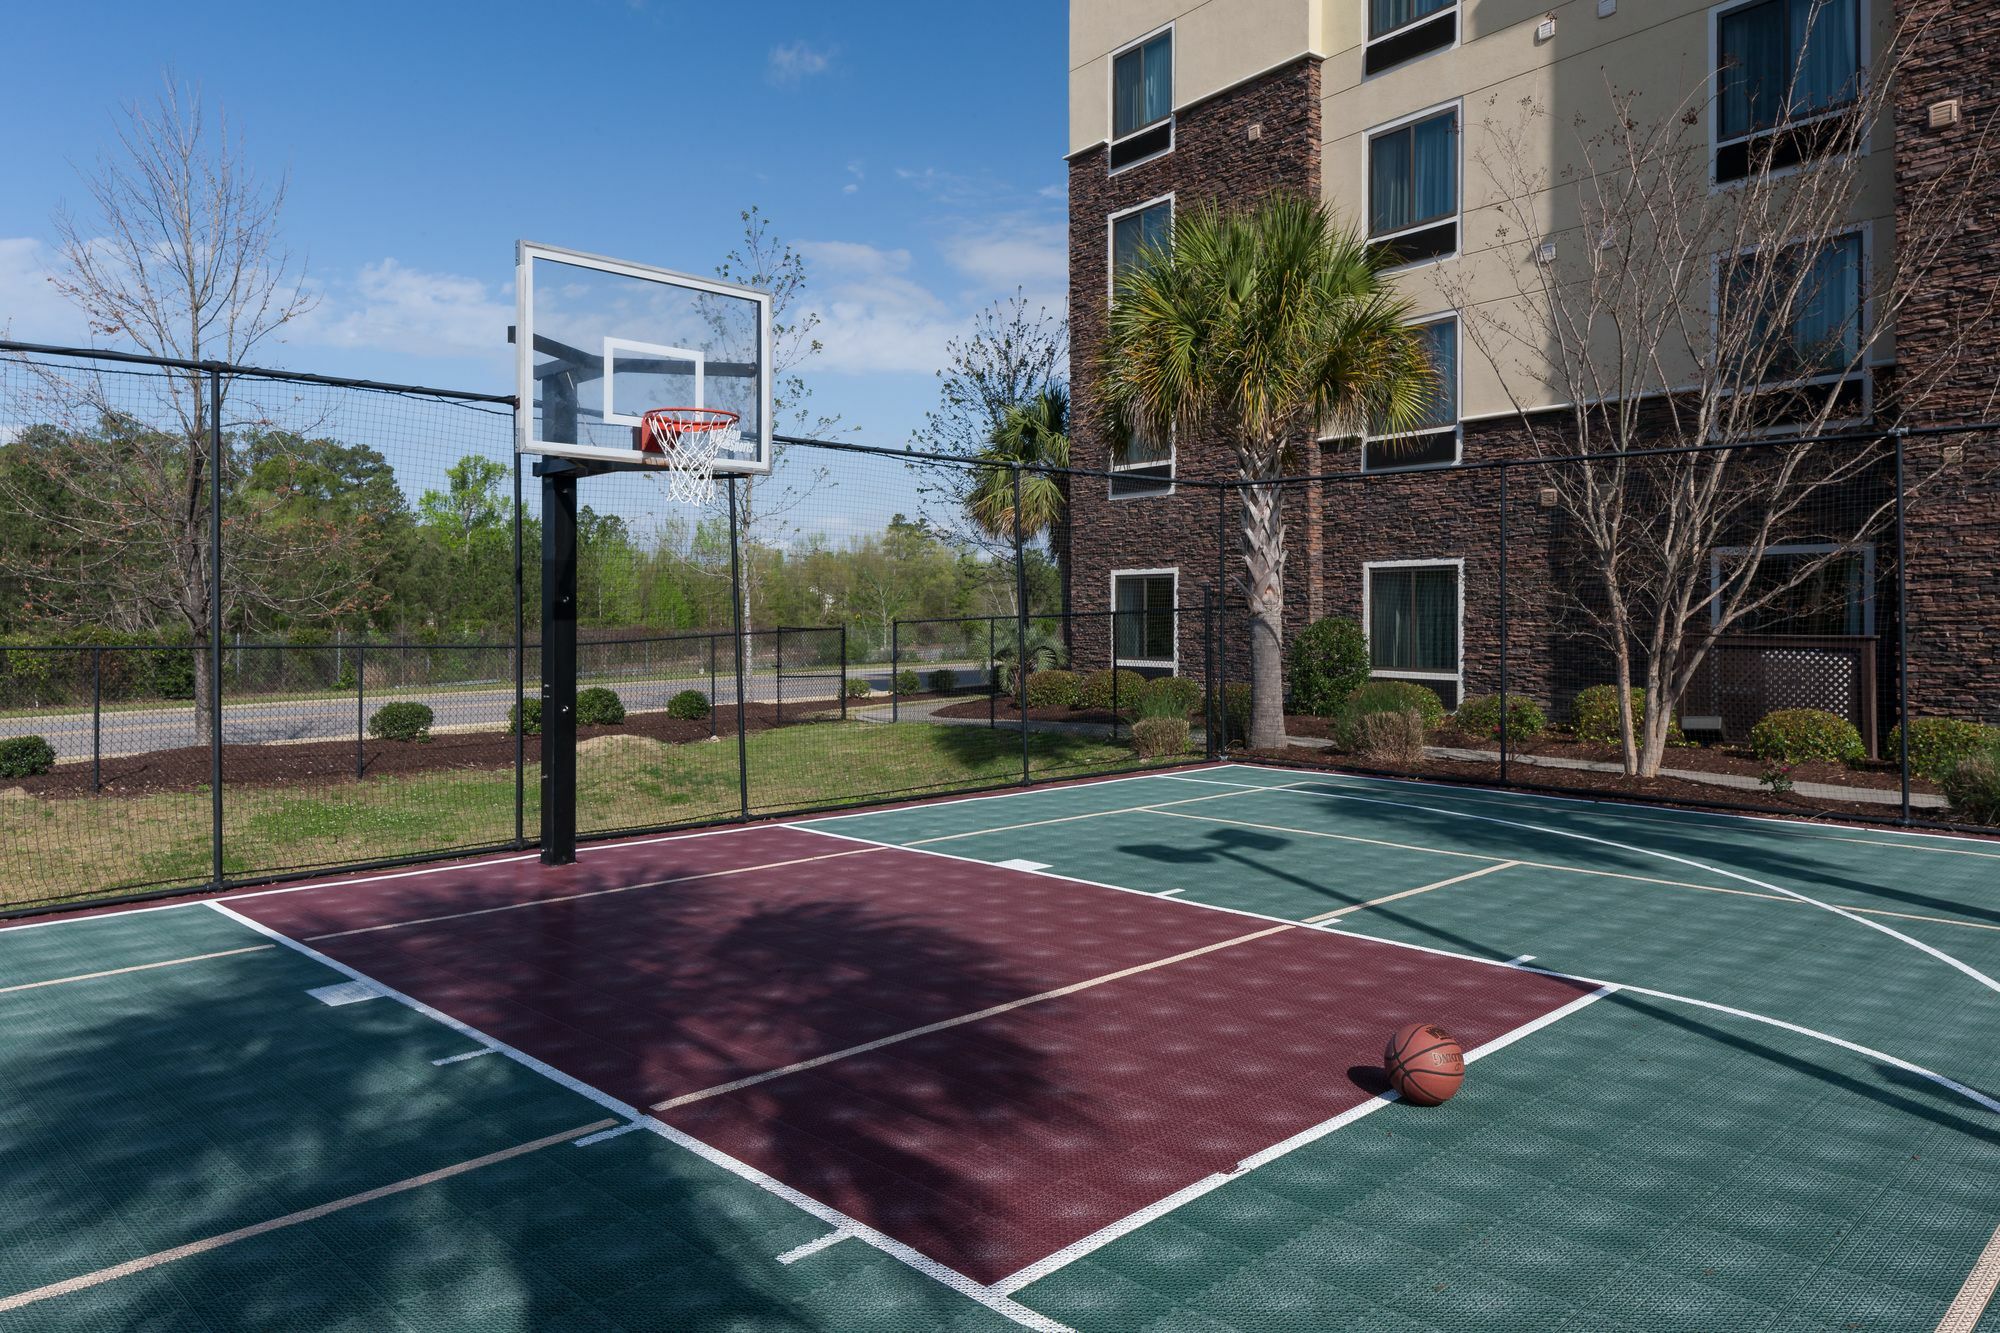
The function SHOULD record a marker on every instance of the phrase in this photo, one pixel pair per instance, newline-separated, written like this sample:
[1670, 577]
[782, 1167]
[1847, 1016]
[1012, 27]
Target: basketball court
[1103, 1056]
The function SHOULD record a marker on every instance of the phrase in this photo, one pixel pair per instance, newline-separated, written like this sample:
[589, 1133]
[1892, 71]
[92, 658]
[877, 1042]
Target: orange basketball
[1424, 1063]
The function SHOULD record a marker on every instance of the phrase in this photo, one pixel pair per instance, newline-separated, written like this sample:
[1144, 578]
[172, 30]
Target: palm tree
[1035, 436]
[1270, 327]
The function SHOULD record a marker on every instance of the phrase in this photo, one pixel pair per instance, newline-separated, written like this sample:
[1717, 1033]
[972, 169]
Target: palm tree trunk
[1263, 534]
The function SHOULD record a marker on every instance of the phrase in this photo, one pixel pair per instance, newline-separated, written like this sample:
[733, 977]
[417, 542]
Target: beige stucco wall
[1217, 43]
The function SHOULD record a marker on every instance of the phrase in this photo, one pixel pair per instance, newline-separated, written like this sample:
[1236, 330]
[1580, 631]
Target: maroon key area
[988, 1145]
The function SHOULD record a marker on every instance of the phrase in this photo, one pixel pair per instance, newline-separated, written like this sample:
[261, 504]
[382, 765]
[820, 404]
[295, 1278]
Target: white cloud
[875, 318]
[795, 61]
[31, 309]
[1010, 253]
[397, 308]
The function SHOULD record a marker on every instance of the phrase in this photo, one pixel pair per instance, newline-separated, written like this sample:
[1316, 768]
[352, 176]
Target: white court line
[1334, 928]
[84, 1281]
[136, 967]
[1980, 1284]
[991, 1011]
[998, 1302]
[1096, 1240]
[1168, 893]
[612, 1133]
[1932, 950]
[1339, 912]
[806, 821]
[1519, 959]
[799, 1252]
[463, 1056]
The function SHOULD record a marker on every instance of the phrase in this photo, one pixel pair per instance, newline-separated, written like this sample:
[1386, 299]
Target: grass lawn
[78, 848]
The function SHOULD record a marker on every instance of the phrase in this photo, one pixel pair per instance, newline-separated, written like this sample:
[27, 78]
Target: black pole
[711, 687]
[895, 670]
[1021, 627]
[992, 674]
[96, 719]
[558, 664]
[843, 671]
[781, 672]
[1114, 675]
[1902, 631]
[361, 725]
[520, 668]
[1222, 612]
[1506, 704]
[736, 618]
[215, 621]
[1208, 671]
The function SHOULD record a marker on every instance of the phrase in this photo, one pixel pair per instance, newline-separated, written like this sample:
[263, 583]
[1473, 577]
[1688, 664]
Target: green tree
[1032, 437]
[1267, 327]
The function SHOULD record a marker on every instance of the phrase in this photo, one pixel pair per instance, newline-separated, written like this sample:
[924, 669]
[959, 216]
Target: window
[1831, 592]
[1796, 311]
[1434, 440]
[1400, 30]
[1141, 468]
[1142, 601]
[1142, 100]
[1136, 230]
[1783, 67]
[1413, 613]
[1413, 187]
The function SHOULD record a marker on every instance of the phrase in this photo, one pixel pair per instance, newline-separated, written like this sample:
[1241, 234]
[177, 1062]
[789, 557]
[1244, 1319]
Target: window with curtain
[1142, 100]
[1141, 466]
[1402, 30]
[1433, 440]
[1132, 233]
[1385, 16]
[1780, 63]
[1814, 303]
[1144, 633]
[1413, 187]
[1413, 620]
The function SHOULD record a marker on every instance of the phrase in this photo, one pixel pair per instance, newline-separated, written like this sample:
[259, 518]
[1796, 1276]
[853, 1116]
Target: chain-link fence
[865, 625]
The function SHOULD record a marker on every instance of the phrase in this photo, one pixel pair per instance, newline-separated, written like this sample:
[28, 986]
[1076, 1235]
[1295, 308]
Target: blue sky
[911, 150]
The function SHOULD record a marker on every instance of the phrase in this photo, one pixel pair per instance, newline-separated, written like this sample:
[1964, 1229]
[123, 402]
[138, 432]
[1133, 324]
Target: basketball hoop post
[558, 662]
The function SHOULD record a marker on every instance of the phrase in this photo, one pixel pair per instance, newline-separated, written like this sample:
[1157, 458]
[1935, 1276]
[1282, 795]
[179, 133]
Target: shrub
[1938, 743]
[943, 681]
[1973, 785]
[402, 721]
[1052, 689]
[907, 682]
[1173, 696]
[1382, 696]
[688, 706]
[1480, 716]
[858, 688]
[1394, 735]
[1236, 712]
[1158, 737]
[1797, 735]
[1594, 716]
[532, 708]
[1097, 688]
[599, 707]
[25, 756]
[1329, 661]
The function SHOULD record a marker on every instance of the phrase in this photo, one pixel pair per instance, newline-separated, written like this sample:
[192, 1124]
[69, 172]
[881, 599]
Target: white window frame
[1457, 402]
[1457, 218]
[1111, 236]
[1863, 17]
[1111, 136]
[1368, 568]
[1865, 373]
[1456, 7]
[1867, 550]
[1171, 463]
[1172, 664]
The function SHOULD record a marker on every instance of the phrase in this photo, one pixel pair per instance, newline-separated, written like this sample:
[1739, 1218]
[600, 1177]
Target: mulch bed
[317, 763]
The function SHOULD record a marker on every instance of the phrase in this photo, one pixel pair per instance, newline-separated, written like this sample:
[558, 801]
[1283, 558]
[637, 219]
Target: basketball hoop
[686, 442]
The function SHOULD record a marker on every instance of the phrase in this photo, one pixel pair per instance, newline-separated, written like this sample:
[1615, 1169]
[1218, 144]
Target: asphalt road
[265, 721]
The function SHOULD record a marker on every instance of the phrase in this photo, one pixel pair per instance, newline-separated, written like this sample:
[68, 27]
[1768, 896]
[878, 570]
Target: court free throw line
[894, 1038]
[1410, 893]
[136, 967]
[1980, 1284]
[84, 1281]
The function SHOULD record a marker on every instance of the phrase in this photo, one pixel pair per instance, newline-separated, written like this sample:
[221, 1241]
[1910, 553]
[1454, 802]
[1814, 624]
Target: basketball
[1424, 1064]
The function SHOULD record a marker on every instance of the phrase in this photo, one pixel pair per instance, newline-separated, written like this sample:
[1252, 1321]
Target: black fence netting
[866, 625]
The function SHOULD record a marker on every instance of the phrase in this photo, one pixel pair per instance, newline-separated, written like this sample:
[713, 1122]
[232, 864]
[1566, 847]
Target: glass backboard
[600, 342]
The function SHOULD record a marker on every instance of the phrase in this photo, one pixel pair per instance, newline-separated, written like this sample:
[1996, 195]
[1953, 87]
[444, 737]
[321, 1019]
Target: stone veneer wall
[1214, 159]
[1954, 523]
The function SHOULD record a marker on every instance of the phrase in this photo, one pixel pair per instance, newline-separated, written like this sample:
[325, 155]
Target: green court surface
[1775, 1116]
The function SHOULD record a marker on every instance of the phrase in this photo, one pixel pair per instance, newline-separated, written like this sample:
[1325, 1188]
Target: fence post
[895, 670]
[361, 720]
[96, 719]
[1902, 435]
[843, 671]
[1021, 627]
[215, 621]
[781, 672]
[711, 687]
[1114, 675]
[992, 675]
[520, 665]
[1209, 747]
[736, 618]
[1506, 704]
[1222, 612]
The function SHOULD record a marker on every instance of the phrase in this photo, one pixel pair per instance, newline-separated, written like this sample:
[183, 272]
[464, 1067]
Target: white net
[688, 448]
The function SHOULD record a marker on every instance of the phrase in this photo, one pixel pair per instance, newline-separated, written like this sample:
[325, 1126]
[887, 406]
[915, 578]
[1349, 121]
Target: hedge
[1159, 737]
[401, 721]
[1355, 730]
[943, 681]
[1800, 735]
[1973, 786]
[1328, 661]
[1097, 688]
[908, 682]
[1174, 696]
[1052, 689]
[599, 707]
[1938, 743]
[532, 708]
[1594, 716]
[688, 706]
[26, 756]
[1480, 716]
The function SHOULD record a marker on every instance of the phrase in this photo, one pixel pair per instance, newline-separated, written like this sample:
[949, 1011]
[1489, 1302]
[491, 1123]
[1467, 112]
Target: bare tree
[1742, 318]
[180, 256]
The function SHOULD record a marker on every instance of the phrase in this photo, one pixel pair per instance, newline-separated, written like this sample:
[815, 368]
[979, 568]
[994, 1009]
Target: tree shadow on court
[191, 1106]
